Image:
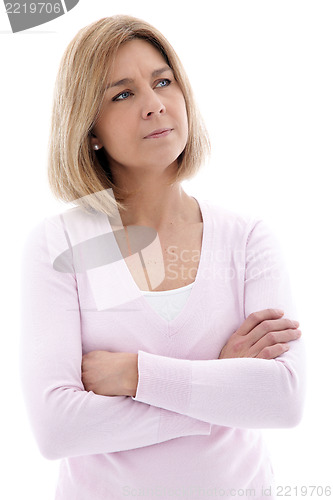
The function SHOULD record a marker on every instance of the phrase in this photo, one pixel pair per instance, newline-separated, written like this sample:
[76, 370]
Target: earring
[96, 147]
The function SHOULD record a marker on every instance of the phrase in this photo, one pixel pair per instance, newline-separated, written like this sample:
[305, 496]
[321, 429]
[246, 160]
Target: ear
[95, 142]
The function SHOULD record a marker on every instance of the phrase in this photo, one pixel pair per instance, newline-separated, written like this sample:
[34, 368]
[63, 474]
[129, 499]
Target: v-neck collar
[171, 327]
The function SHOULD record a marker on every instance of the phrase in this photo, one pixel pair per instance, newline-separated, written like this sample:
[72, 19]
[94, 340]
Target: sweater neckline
[173, 291]
[170, 327]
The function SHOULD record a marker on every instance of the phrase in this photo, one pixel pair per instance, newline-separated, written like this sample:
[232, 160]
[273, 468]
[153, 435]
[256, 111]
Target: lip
[161, 132]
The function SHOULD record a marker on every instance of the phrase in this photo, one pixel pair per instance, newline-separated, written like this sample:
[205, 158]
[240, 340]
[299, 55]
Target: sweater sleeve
[238, 392]
[66, 420]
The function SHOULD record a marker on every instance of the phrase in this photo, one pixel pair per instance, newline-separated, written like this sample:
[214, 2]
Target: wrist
[132, 375]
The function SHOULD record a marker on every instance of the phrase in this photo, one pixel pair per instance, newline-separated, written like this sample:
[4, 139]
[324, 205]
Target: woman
[158, 332]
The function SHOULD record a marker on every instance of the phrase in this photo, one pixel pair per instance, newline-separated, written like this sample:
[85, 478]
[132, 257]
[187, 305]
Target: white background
[262, 74]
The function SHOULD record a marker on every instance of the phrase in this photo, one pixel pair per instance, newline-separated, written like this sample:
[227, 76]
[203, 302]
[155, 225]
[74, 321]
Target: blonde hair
[75, 170]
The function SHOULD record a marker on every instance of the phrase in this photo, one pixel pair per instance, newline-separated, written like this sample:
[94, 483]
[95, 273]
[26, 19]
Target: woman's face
[142, 97]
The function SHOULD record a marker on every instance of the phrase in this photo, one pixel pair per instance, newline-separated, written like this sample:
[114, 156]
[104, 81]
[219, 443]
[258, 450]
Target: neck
[157, 203]
[158, 206]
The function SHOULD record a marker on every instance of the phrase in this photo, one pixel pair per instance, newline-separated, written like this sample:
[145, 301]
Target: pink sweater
[193, 429]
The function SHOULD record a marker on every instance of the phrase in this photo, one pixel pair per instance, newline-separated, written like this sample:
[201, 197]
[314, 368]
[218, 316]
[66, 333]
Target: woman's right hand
[264, 334]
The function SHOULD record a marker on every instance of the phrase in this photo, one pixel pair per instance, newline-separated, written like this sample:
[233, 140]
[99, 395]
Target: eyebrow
[125, 81]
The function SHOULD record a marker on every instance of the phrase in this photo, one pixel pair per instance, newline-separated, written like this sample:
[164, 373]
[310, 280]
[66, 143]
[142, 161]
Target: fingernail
[279, 311]
[296, 323]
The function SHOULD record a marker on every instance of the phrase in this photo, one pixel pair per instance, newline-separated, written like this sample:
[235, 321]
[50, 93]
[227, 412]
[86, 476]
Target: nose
[152, 105]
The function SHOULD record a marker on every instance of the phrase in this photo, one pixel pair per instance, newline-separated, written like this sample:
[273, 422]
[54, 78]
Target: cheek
[181, 106]
[183, 117]
[115, 131]
[119, 139]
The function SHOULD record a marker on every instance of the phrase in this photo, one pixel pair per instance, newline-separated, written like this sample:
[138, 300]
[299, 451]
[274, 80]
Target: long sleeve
[66, 420]
[240, 392]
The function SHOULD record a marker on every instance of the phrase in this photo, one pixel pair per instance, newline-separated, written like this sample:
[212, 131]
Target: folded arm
[66, 419]
[237, 392]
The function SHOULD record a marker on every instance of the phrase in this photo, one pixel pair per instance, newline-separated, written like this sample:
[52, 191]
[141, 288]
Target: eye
[165, 81]
[121, 97]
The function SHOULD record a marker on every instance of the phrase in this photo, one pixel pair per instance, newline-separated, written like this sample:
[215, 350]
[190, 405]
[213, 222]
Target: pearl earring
[96, 147]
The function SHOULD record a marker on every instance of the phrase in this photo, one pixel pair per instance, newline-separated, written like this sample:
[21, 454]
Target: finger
[273, 338]
[272, 352]
[271, 327]
[255, 318]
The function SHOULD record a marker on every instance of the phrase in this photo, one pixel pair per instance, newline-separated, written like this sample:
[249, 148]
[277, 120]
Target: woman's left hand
[110, 373]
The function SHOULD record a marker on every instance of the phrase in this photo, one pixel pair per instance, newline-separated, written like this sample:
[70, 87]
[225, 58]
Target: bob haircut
[76, 172]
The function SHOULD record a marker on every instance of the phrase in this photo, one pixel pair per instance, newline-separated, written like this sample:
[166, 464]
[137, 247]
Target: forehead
[133, 54]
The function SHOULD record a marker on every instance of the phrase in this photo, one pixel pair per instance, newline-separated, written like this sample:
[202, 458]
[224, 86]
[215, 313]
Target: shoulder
[230, 222]
[238, 229]
[64, 222]
[53, 233]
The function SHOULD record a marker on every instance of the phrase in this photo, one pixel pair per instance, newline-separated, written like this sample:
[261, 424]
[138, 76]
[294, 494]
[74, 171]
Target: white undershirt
[168, 303]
